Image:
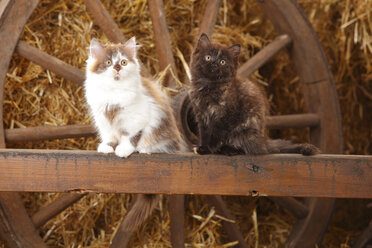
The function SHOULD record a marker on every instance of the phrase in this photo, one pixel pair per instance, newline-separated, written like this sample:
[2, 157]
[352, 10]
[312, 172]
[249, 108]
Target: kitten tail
[285, 146]
[140, 210]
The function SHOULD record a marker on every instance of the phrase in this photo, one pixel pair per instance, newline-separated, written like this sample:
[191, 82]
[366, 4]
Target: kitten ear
[96, 49]
[131, 47]
[235, 49]
[203, 41]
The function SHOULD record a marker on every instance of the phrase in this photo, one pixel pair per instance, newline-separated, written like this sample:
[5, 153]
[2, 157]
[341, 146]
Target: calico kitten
[130, 112]
[230, 112]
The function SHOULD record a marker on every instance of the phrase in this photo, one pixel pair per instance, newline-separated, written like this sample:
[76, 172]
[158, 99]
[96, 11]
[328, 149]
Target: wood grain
[272, 175]
[49, 62]
[162, 40]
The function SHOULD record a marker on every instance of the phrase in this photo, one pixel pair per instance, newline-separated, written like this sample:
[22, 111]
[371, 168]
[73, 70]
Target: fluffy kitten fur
[130, 112]
[230, 112]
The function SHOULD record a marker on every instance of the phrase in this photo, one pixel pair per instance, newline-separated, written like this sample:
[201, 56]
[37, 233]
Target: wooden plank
[48, 133]
[49, 62]
[271, 175]
[162, 40]
[267, 53]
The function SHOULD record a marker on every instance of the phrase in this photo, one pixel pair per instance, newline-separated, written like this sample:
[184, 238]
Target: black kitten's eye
[208, 57]
[124, 62]
[223, 62]
[108, 62]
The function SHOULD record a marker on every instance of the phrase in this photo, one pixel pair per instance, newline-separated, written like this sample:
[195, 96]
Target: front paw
[309, 149]
[202, 150]
[124, 151]
[105, 148]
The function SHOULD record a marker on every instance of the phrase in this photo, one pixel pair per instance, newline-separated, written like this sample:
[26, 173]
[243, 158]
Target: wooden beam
[346, 176]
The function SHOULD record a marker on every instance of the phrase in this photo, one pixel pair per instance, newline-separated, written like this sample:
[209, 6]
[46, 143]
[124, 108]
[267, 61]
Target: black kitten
[230, 112]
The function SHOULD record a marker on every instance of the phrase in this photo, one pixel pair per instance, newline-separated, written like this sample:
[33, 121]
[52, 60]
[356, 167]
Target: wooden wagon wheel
[323, 117]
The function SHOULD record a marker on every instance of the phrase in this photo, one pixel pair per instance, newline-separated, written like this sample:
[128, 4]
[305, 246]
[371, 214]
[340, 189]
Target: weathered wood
[162, 40]
[104, 20]
[320, 96]
[19, 230]
[230, 228]
[209, 17]
[80, 130]
[177, 220]
[16, 228]
[292, 121]
[272, 175]
[122, 237]
[295, 207]
[54, 208]
[309, 231]
[313, 70]
[14, 15]
[51, 63]
[48, 133]
[364, 238]
[267, 53]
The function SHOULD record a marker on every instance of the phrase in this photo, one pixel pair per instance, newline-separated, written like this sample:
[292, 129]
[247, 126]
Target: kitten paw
[105, 148]
[202, 150]
[124, 151]
[309, 149]
[230, 151]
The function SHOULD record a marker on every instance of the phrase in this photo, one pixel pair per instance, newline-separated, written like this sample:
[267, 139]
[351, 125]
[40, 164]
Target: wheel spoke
[292, 121]
[264, 55]
[177, 220]
[230, 228]
[364, 238]
[295, 207]
[16, 228]
[162, 40]
[210, 17]
[104, 20]
[48, 212]
[48, 133]
[51, 63]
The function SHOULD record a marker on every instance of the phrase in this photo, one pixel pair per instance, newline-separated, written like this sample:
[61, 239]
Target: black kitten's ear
[203, 41]
[235, 49]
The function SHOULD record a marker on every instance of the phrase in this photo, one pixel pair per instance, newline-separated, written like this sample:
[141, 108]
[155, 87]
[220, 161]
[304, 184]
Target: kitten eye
[223, 62]
[208, 57]
[108, 62]
[124, 62]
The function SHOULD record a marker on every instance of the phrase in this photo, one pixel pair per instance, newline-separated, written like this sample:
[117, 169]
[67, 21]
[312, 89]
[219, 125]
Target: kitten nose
[117, 67]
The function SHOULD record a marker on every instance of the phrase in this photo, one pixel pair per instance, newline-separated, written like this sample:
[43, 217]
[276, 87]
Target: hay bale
[35, 96]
